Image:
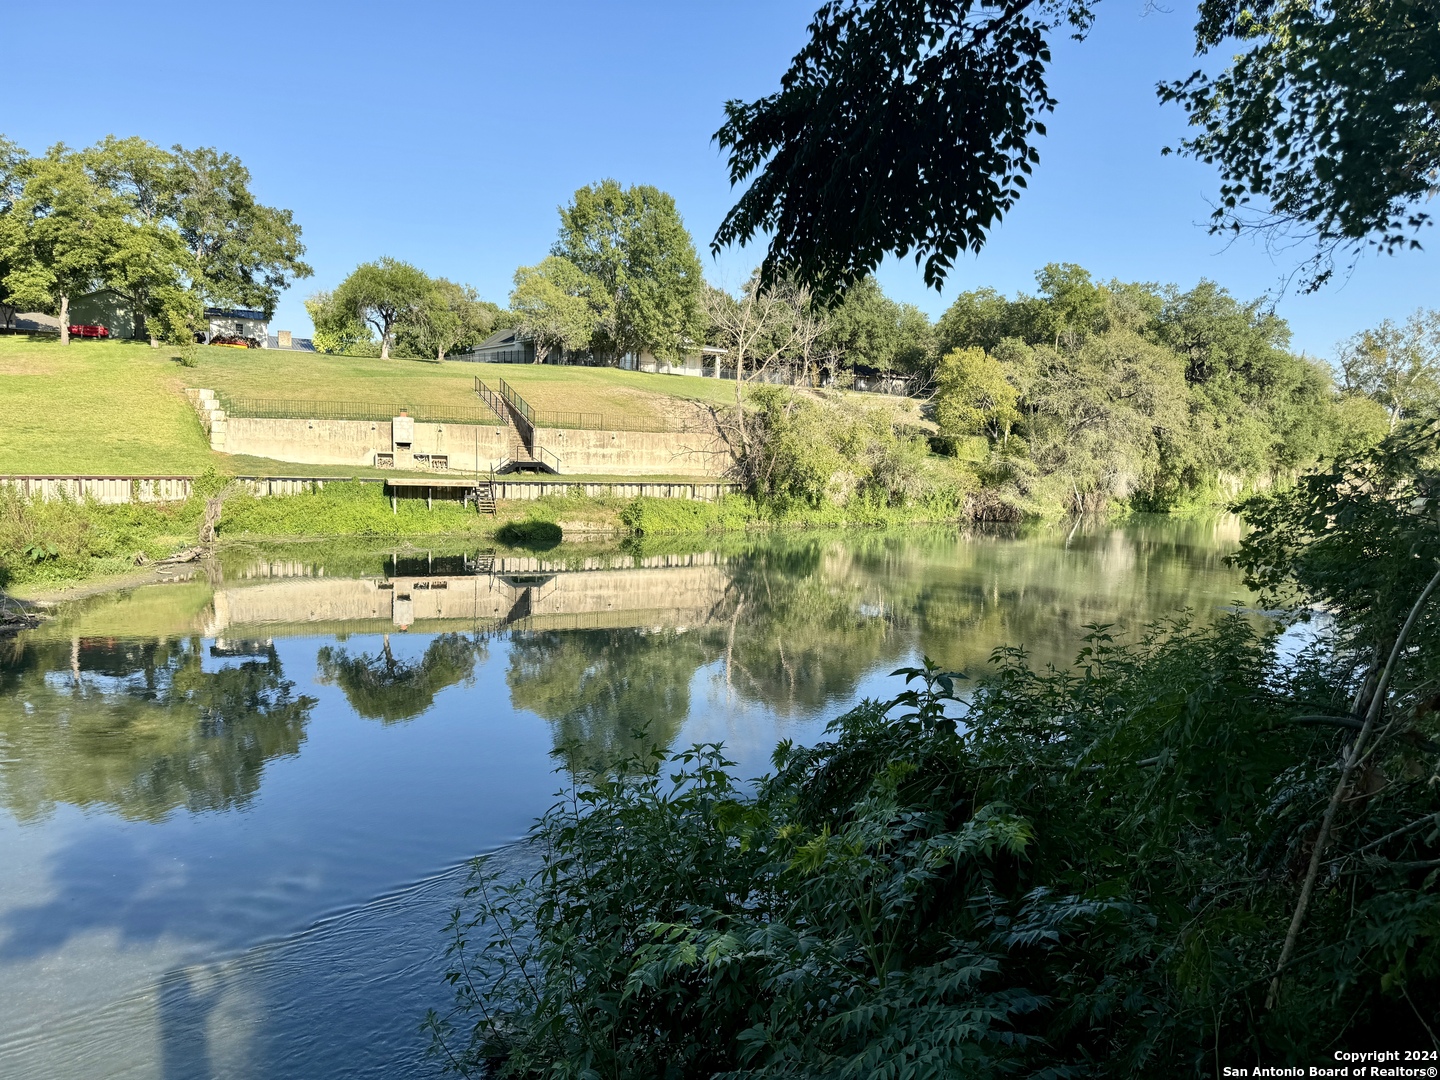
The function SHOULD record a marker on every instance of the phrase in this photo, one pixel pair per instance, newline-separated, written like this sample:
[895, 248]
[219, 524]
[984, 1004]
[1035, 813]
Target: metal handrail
[492, 399]
[518, 403]
[296, 409]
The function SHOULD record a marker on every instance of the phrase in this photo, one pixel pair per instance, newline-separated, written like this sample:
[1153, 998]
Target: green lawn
[113, 407]
[107, 407]
[96, 407]
[313, 376]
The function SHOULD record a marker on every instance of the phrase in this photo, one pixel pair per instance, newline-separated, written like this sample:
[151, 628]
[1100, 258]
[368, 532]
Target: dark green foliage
[382, 687]
[1325, 116]
[909, 126]
[1140, 394]
[537, 535]
[900, 127]
[141, 728]
[1087, 872]
[1358, 540]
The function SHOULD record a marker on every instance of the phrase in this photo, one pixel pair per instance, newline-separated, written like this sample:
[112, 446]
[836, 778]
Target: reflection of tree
[608, 693]
[139, 727]
[383, 688]
[801, 633]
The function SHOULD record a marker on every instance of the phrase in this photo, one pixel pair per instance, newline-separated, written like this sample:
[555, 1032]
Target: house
[109, 309]
[244, 323]
[106, 308]
[513, 347]
[502, 347]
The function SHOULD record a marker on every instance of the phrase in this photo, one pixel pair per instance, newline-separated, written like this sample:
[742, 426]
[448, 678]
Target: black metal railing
[297, 409]
[493, 401]
[517, 403]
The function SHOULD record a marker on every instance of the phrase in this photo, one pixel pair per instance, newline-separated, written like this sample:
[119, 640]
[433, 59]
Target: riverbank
[51, 548]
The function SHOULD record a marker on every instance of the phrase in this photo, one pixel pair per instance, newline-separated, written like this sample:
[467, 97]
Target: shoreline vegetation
[47, 547]
[1194, 850]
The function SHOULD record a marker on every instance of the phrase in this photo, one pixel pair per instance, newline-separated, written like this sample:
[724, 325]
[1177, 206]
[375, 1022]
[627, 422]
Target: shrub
[536, 535]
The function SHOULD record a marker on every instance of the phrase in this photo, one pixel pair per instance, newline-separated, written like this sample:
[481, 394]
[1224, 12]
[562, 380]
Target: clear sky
[447, 134]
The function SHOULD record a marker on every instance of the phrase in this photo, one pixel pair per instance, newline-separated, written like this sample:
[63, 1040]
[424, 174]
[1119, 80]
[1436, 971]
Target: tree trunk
[385, 344]
[64, 320]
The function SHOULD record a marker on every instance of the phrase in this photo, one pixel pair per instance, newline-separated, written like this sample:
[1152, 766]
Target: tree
[337, 330]
[52, 237]
[11, 158]
[452, 318]
[909, 126]
[762, 326]
[146, 261]
[973, 397]
[559, 306]
[864, 327]
[633, 241]
[246, 253]
[1396, 366]
[382, 294]
[904, 126]
[1325, 116]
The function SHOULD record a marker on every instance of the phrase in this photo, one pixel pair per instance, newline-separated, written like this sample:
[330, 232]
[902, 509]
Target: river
[235, 807]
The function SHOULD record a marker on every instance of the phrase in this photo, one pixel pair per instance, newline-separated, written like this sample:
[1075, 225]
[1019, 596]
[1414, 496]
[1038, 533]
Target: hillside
[119, 407]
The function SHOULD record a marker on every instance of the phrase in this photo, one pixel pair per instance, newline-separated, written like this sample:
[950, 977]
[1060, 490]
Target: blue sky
[447, 134]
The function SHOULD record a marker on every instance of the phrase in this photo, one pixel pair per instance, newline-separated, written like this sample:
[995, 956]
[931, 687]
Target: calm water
[234, 809]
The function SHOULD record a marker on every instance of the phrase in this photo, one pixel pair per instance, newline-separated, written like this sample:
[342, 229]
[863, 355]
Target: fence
[296, 409]
[517, 403]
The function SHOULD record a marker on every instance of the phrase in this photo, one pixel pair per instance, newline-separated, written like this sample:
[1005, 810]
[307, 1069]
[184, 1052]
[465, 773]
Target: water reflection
[206, 871]
[381, 687]
[604, 647]
[140, 728]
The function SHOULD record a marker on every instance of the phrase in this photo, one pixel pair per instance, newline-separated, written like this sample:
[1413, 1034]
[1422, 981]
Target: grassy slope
[95, 407]
[119, 407]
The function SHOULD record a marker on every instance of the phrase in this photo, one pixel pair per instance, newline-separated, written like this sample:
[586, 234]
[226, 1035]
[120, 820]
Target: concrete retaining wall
[636, 453]
[102, 489]
[356, 442]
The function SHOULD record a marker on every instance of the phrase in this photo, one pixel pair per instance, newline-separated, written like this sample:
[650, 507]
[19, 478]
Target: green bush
[536, 535]
[63, 540]
[1086, 872]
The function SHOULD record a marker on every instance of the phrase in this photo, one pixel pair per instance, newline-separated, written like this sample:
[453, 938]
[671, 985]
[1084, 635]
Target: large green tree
[11, 157]
[559, 306]
[167, 230]
[1325, 123]
[633, 241]
[1398, 366]
[453, 318]
[52, 239]
[145, 259]
[246, 253]
[909, 127]
[382, 294]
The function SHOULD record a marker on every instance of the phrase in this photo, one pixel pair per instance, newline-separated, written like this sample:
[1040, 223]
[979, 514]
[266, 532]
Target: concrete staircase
[212, 416]
[512, 410]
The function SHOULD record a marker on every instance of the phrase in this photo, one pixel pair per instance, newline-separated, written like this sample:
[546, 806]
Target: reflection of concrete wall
[684, 596]
[355, 442]
[636, 453]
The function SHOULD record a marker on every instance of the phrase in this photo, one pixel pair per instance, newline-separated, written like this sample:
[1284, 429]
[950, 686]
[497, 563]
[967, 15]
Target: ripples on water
[234, 813]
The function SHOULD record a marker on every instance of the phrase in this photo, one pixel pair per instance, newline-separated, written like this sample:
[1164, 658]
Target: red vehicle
[89, 331]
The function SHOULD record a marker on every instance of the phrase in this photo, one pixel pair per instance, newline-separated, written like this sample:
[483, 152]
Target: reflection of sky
[298, 934]
[201, 943]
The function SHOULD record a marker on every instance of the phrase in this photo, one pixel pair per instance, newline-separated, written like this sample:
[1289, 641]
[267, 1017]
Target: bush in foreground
[1154, 862]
